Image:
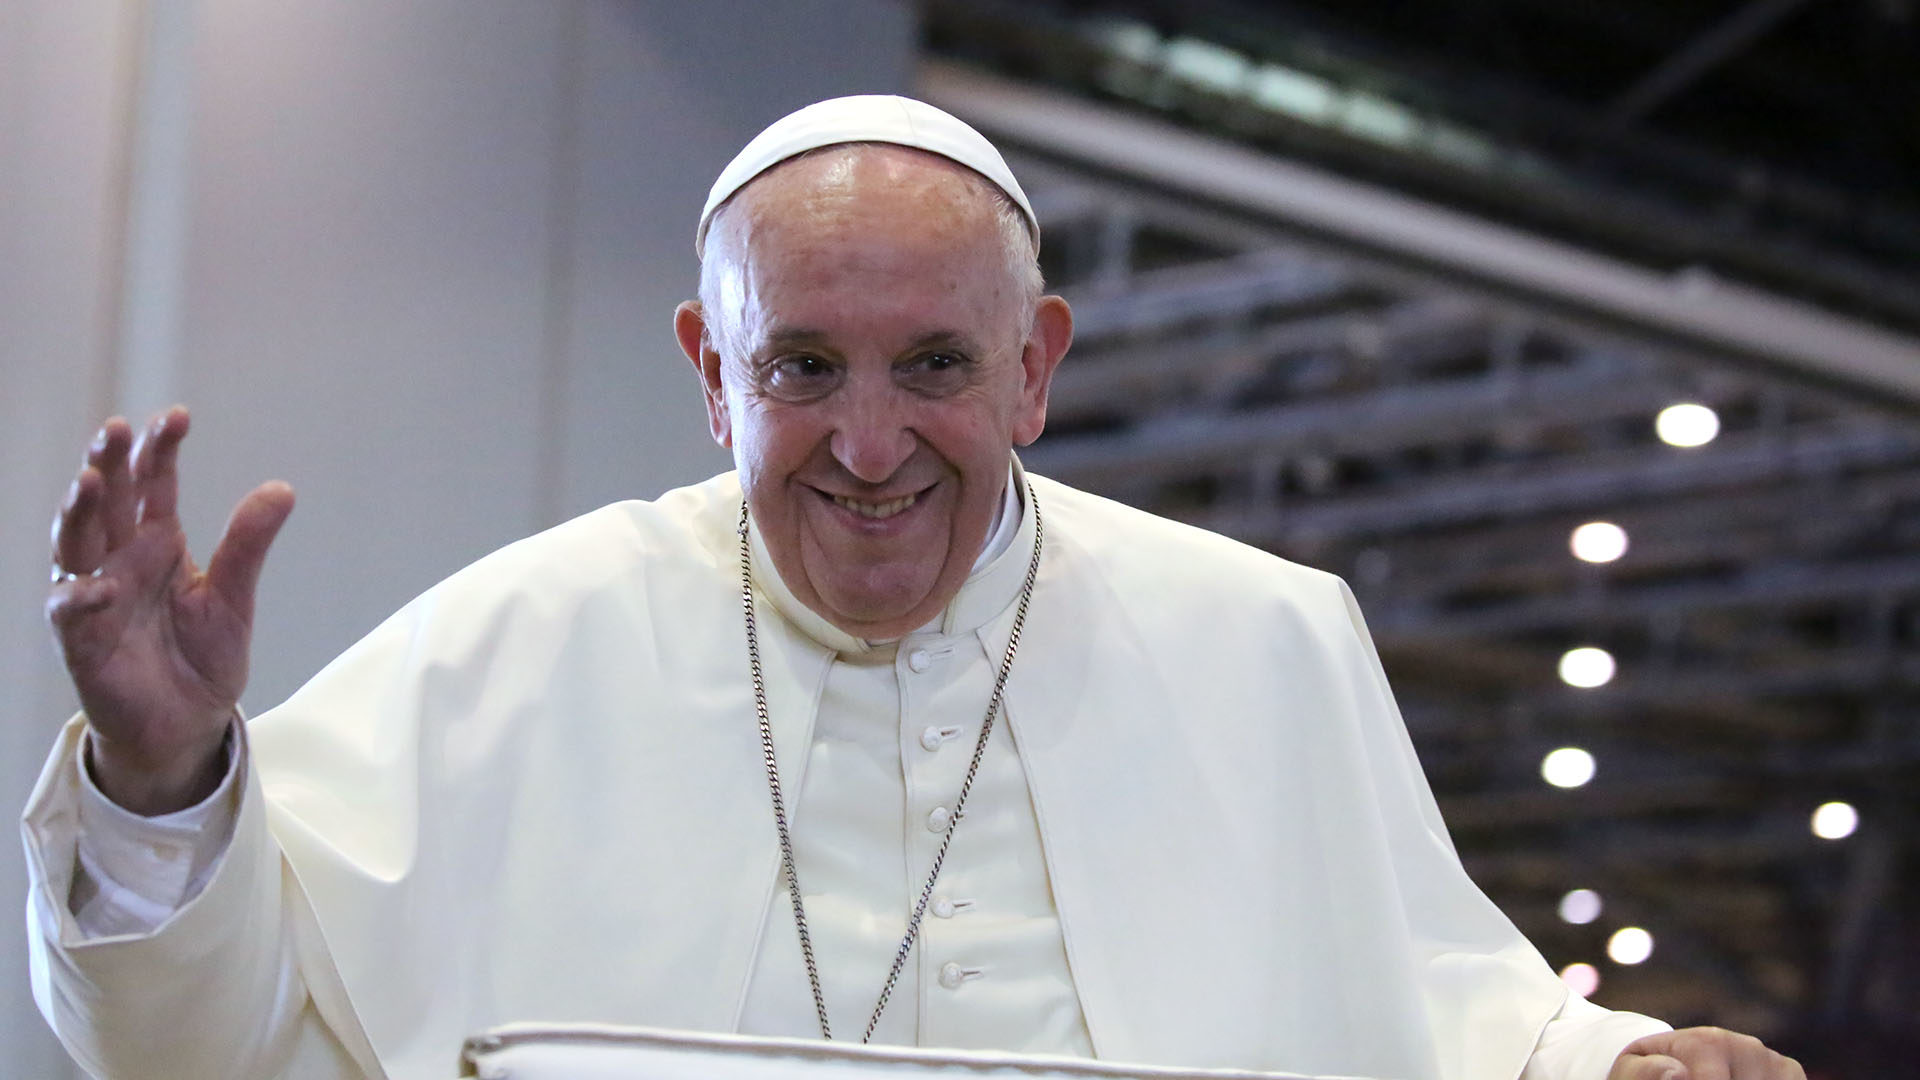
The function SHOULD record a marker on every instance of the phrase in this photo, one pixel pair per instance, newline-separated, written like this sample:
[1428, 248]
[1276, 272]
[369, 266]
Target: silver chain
[959, 805]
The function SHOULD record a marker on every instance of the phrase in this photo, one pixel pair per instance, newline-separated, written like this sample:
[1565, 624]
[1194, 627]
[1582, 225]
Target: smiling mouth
[877, 510]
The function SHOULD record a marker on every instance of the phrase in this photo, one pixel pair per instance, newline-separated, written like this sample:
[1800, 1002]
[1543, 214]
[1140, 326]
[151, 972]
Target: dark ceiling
[1436, 444]
[1822, 89]
[1775, 142]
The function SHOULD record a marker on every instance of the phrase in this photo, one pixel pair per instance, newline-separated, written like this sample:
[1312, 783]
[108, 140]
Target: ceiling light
[1581, 979]
[1630, 945]
[1598, 542]
[1205, 65]
[1835, 821]
[1687, 424]
[1580, 907]
[1587, 667]
[1379, 119]
[1295, 93]
[1567, 767]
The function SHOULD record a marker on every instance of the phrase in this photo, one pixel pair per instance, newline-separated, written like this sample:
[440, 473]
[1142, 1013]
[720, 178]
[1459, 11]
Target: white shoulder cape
[536, 793]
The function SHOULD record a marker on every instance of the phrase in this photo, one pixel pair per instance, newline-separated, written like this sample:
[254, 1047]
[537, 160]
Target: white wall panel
[62, 93]
[366, 296]
[666, 102]
[418, 259]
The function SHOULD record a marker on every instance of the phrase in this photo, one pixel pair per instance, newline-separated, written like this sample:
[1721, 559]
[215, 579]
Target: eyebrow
[807, 337]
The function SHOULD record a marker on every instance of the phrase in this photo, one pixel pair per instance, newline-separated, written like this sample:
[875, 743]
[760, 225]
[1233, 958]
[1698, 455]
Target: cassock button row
[919, 660]
[938, 821]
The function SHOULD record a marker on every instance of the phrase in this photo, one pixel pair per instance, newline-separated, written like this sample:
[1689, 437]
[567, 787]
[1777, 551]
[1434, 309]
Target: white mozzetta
[536, 794]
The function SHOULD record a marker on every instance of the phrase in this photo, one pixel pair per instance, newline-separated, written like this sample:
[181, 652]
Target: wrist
[151, 785]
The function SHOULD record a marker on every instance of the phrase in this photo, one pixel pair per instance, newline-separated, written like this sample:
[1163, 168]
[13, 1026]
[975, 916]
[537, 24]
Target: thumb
[234, 570]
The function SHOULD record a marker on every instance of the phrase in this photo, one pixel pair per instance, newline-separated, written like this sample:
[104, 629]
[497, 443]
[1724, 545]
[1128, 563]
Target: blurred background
[1584, 340]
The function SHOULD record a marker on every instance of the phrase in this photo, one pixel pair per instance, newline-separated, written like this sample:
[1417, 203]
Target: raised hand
[157, 649]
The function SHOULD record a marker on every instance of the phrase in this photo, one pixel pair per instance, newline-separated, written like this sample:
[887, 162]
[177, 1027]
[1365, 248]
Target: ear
[1046, 343]
[690, 327]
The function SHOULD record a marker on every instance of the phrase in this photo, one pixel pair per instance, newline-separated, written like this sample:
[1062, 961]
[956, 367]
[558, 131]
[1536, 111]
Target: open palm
[157, 648]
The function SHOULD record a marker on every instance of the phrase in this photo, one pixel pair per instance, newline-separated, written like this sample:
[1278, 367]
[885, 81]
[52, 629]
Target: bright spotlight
[1581, 979]
[1599, 542]
[1630, 945]
[1835, 821]
[1567, 767]
[1587, 667]
[1687, 424]
[1580, 907]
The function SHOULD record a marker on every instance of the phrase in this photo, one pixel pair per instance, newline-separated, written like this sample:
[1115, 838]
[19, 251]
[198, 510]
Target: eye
[801, 367]
[801, 375]
[940, 371]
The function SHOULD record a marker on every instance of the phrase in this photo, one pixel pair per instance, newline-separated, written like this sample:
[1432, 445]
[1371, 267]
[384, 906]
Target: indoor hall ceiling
[1435, 444]
[1775, 142]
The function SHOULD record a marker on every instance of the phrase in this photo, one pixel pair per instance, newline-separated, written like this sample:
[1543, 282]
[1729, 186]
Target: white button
[938, 820]
[951, 975]
[919, 660]
[932, 737]
[943, 908]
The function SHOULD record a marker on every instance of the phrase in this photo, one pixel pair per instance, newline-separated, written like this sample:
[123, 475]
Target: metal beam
[1778, 586]
[1150, 376]
[1689, 311]
[1228, 289]
[1810, 517]
[1379, 421]
[1720, 43]
[1592, 481]
[1637, 693]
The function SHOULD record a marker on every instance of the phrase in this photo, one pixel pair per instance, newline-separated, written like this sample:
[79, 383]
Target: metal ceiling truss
[1428, 412]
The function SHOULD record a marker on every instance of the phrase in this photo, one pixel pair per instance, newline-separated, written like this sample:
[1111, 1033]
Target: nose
[872, 436]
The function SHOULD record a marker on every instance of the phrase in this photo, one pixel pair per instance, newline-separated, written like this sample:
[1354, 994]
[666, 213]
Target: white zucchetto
[878, 118]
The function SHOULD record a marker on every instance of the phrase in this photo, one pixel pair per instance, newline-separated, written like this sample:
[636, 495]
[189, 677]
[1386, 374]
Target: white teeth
[877, 510]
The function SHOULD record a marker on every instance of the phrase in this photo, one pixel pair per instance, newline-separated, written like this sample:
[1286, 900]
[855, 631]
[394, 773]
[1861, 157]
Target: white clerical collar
[990, 589]
[1006, 522]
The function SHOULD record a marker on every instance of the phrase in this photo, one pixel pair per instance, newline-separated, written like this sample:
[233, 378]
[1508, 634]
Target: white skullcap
[881, 118]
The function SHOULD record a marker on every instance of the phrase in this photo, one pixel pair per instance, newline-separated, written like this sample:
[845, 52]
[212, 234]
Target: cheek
[768, 442]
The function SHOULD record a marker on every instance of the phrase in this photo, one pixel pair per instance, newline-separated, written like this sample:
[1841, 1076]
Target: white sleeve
[1581, 1042]
[131, 873]
[221, 987]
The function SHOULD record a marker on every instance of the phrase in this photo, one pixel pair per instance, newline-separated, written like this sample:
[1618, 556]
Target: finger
[155, 481]
[70, 601]
[1632, 1066]
[234, 570]
[109, 453]
[1753, 1058]
[79, 538]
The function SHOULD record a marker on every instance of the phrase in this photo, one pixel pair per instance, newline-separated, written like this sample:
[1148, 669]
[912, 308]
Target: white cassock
[1199, 836]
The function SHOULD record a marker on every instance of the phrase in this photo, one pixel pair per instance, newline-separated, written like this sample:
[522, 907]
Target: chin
[887, 604]
[876, 611]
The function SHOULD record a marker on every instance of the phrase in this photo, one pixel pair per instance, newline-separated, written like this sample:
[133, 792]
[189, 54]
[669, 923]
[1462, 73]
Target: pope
[877, 734]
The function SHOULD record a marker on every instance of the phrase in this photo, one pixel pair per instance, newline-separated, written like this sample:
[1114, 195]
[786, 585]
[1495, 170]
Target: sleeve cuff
[133, 872]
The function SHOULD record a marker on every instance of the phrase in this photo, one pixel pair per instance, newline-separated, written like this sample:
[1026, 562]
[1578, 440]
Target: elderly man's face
[871, 366]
